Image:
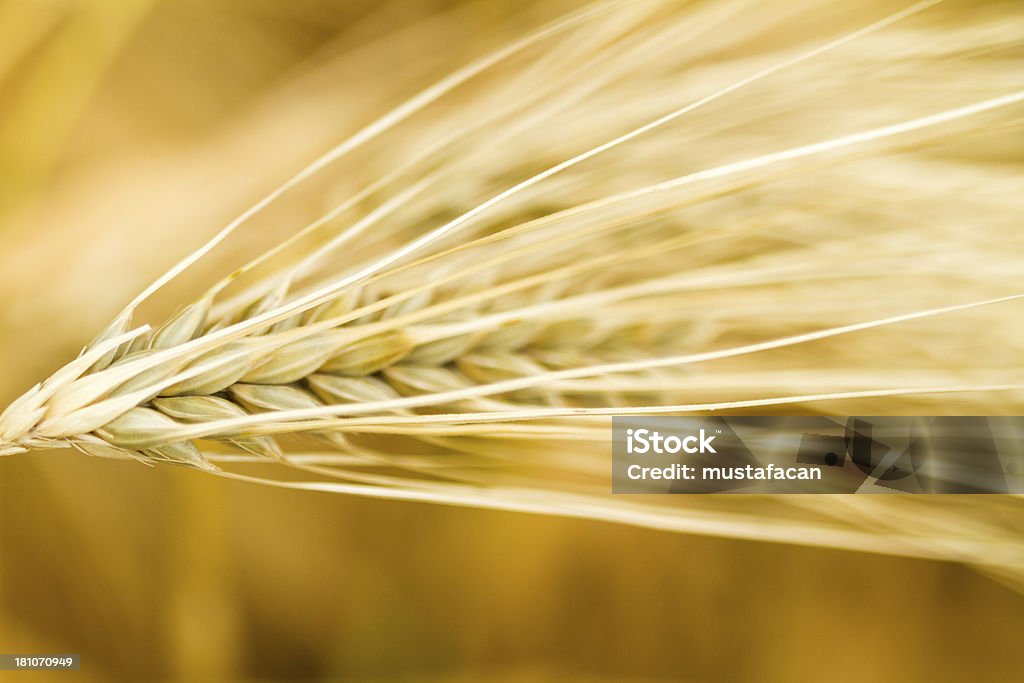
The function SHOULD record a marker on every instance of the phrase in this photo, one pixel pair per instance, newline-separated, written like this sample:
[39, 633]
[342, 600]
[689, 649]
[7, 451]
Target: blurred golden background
[139, 126]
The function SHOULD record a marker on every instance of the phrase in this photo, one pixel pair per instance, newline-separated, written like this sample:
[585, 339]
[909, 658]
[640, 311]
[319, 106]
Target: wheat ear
[475, 362]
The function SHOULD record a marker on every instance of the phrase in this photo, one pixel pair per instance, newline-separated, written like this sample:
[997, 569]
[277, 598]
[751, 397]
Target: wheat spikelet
[622, 215]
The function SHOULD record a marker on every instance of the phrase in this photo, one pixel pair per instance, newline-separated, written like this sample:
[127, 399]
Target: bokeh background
[129, 128]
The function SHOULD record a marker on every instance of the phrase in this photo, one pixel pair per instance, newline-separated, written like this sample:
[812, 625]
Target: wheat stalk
[476, 362]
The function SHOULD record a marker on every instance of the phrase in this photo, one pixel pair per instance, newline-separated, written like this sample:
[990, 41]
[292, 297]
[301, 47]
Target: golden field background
[129, 131]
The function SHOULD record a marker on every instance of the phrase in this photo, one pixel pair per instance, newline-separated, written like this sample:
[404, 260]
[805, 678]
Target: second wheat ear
[443, 366]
